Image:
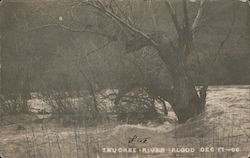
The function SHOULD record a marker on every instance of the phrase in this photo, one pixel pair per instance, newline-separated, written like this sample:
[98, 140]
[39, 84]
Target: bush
[137, 107]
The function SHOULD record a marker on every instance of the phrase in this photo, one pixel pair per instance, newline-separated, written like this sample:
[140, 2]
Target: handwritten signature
[138, 139]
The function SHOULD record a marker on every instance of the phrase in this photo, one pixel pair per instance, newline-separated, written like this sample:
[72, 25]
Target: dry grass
[46, 141]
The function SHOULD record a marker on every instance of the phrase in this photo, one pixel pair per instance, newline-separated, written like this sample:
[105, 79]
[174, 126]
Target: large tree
[186, 100]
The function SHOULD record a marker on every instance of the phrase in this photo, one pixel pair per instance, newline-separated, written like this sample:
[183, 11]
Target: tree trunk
[186, 102]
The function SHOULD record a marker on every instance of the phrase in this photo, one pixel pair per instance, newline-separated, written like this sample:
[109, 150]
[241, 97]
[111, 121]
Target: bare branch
[223, 42]
[199, 15]
[95, 50]
[186, 18]
[121, 12]
[72, 30]
[41, 27]
[101, 4]
[119, 21]
[132, 12]
[173, 16]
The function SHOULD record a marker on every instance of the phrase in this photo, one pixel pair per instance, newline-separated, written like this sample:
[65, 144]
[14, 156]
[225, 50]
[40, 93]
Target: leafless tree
[186, 101]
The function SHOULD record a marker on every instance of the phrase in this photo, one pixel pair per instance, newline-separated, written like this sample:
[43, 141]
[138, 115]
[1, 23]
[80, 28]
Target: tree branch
[223, 42]
[174, 17]
[199, 15]
[119, 21]
[95, 50]
[186, 17]
[72, 30]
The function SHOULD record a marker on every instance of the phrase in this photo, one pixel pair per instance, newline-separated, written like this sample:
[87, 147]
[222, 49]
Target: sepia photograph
[124, 78]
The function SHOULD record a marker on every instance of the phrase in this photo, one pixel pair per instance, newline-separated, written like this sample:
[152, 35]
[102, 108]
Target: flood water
[225, 123]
